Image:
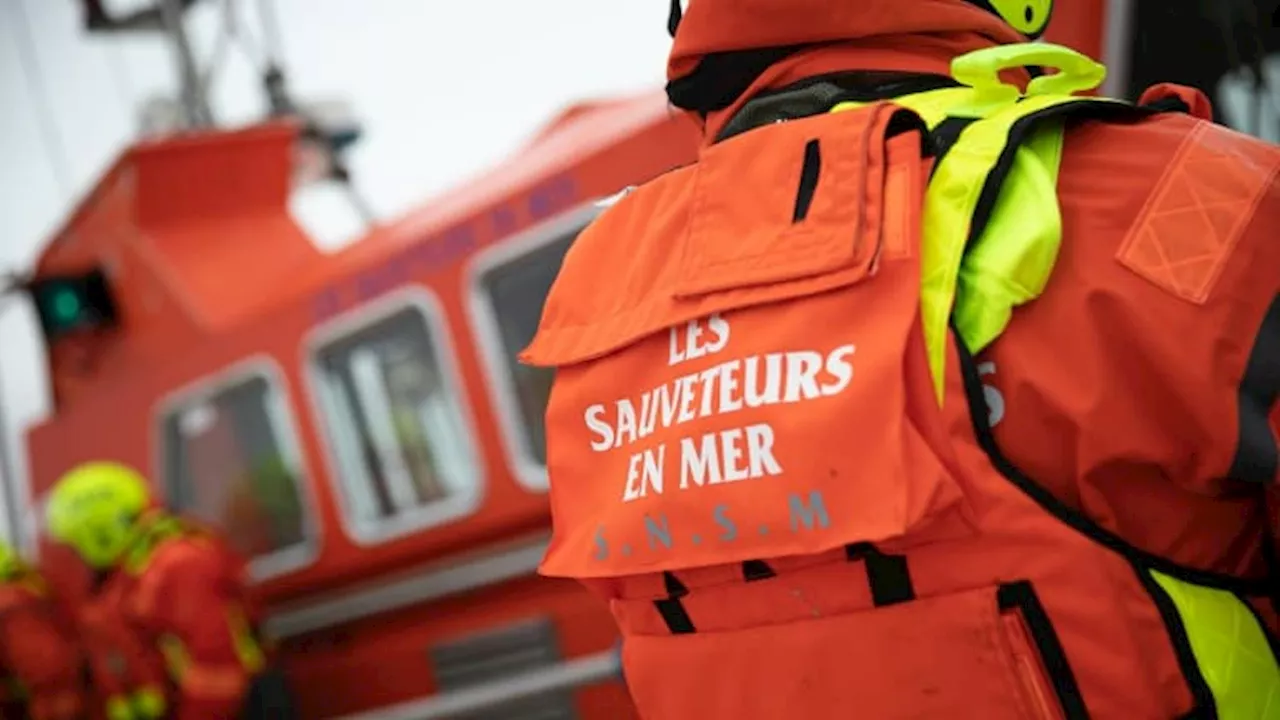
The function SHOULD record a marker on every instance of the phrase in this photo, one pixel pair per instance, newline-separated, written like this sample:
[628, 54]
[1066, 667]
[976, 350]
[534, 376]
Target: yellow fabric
[1010, 263]
[1230, 648]
[247, 647]
[208, 681]
[1029, 17]
[149, 703]
[119, 708]
[150, 532]
[981, 70]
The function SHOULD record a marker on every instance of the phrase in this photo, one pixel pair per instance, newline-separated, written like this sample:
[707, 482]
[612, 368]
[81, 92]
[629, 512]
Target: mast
[327, 130]
[13, 520]
[194, 102]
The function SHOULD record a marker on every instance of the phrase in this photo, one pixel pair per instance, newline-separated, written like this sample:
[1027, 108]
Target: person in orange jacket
[933, 388]
[177, 588]
[41, 662]
[128, 681]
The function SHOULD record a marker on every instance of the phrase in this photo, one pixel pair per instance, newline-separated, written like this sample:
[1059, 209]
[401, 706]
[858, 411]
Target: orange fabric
[711, 26]
[180, 593]
[695, 434]
[37, 652]
[703, 419]
[217, 683]
[119, 662]
[1144, 403]
[922, 36]
[1197, 214]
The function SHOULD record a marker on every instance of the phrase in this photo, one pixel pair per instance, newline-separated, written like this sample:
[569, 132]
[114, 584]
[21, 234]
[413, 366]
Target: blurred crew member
[40, 659]
[176, 586]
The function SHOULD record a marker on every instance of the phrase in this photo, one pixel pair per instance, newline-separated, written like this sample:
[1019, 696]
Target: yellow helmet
[94, 509]
[1029, 17]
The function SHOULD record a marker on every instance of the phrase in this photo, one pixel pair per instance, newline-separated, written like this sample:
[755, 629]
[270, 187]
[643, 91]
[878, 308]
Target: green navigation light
[66, 305]
[72, 303]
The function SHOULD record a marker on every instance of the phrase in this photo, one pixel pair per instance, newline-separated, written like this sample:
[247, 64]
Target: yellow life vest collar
[991, 222]
[153, 529]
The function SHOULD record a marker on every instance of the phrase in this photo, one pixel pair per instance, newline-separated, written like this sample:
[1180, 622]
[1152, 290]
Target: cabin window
[395, 420]
[231, 460]
[511, 286]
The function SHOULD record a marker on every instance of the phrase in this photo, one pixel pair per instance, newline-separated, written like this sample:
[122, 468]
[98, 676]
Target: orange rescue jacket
[184, 595]
[121, 668]
[749, 461]
[41, 662]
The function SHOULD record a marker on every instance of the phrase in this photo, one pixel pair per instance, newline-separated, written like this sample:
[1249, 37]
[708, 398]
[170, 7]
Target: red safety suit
[120, 666]
[41, 662]
[747, 457]
[184, 595]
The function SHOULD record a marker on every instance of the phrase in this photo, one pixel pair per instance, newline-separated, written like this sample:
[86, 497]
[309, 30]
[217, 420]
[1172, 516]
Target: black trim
[674, 16]
[1257, 457]
[1083, 109]
[905, 121]
[1273, 565]
[888, 575]
[1205, 706]
[670, 607]
[943, 137]
[1021, 596]
[1172, 103]
[818, 94]
[720, 78]
[1028, 15]
[1079, 522]
[753, 570]
[809, 173]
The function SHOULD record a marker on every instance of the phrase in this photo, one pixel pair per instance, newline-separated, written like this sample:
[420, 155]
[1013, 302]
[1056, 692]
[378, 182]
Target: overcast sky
[444, 87]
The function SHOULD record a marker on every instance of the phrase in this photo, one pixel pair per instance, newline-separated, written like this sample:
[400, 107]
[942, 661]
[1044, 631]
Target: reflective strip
[1230, 648]
[148, 703]
[205, 681]
[119, 708]
[245, 640]
[985, 282]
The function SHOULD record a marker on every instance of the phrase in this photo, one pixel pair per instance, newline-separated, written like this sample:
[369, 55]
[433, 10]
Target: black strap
[1257, 457]
[674, 17]
[670, 607]
[753, 570]
[809, 173]
[888, 575]
[944, 135]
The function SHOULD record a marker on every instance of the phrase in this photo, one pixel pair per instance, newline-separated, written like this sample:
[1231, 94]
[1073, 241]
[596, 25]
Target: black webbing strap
[888, 575]
[670, 607]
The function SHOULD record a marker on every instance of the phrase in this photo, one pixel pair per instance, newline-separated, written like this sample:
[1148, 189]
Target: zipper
[1040, 663]
[1030, 669]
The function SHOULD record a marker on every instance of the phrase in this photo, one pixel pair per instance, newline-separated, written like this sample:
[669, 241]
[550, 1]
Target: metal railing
[568, 675]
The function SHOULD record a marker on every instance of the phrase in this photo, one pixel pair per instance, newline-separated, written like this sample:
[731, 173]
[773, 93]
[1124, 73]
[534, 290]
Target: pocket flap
[784, 211]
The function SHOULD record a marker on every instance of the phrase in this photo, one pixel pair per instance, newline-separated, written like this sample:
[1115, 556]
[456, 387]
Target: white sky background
[443, 87]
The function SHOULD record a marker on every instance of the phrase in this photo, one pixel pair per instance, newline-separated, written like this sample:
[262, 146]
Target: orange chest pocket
[734, 348]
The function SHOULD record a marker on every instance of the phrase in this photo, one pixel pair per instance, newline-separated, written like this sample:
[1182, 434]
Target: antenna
[10, 284]
[165, 17]
[328, 127]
